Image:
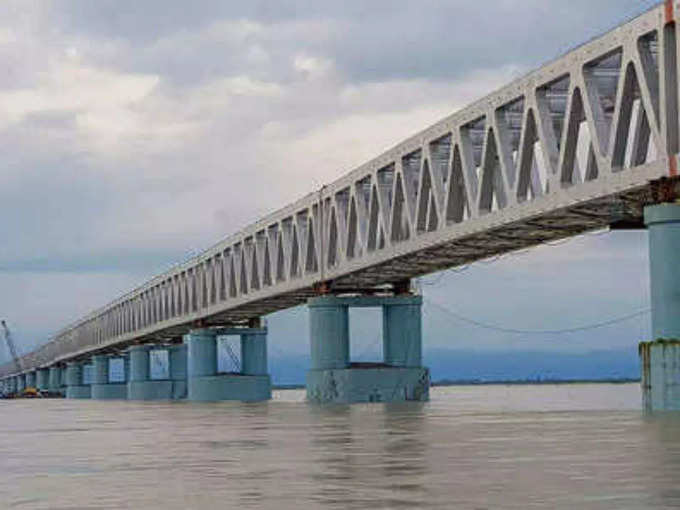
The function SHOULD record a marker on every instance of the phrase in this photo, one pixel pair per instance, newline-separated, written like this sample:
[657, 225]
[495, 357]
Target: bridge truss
[579, 144]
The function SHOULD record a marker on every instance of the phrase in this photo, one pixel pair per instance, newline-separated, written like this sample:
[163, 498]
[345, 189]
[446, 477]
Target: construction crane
[10, 345]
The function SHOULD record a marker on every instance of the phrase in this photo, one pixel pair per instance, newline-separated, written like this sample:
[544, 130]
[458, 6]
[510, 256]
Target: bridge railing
[599, 121]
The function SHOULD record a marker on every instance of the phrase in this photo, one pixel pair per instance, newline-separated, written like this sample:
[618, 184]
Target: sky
[135, 134]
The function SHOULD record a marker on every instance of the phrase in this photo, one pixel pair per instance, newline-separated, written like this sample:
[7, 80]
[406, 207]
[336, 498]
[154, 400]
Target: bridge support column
[30, 379]
[329, 333]
[660, 359]
[334, 379]
[75, 387]
[20, 382]
[102, 387]
[402, 332]
[140, 385]
[206, 384]
[43, 379]
[254, 353]
[177, 359]
[55, 386]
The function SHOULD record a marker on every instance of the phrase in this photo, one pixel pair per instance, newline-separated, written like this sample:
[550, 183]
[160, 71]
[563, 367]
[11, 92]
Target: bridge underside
[615, 211]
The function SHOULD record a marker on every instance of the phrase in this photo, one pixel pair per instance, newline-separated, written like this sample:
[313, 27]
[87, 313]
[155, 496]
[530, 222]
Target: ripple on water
[582, 446]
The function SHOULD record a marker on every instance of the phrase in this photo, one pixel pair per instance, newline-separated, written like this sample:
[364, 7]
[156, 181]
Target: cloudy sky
[135, 133]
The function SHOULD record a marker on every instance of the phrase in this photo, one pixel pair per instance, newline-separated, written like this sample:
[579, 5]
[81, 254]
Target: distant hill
[490, 366]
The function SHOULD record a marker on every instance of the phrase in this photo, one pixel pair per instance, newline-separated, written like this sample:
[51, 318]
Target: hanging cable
[501, 329]
[370, 348]
[225, 346]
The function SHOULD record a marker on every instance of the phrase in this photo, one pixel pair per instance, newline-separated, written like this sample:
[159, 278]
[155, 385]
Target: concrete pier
[660, 359]
[43, 379]
[30, 379]
[75, 386]
[11, 385]
[140, 386]
[660, 363]
[102, 387]
[20, 382]
[177, 359]
[56, 377]
[55, 383]
[400, 377]
[206, 384]
[254, 352]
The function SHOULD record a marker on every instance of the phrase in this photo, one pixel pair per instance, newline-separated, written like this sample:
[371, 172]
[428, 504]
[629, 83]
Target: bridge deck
[571, 147]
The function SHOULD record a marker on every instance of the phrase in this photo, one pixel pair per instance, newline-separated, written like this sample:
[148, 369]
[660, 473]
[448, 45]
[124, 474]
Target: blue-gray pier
[400, 376]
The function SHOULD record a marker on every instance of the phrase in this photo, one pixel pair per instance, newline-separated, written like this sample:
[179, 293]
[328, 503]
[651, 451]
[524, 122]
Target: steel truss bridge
[580, 144]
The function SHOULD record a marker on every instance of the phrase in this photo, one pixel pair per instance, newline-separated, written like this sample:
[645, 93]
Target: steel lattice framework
[573, 146]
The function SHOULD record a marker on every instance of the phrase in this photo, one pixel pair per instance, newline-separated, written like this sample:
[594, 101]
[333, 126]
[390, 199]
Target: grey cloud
[369, 41]
[142, 263]
[49, 121]
[62, 210]
[446, 40]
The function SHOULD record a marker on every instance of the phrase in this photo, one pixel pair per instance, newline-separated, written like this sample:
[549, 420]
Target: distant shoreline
[533, 382]
[510, 382]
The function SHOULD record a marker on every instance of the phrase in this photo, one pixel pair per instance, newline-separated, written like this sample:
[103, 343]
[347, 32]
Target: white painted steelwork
[568, 148]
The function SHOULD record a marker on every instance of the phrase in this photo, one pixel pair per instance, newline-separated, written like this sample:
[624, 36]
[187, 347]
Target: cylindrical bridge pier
[660, 358]
[334, 379]
[252, 383]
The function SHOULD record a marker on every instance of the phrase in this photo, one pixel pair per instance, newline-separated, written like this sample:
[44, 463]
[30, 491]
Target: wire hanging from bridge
[501, 329]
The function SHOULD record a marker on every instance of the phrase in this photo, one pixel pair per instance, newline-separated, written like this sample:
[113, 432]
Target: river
[581, 446]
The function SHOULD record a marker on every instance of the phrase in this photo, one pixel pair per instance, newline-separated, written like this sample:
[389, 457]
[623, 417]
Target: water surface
[562, 447]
